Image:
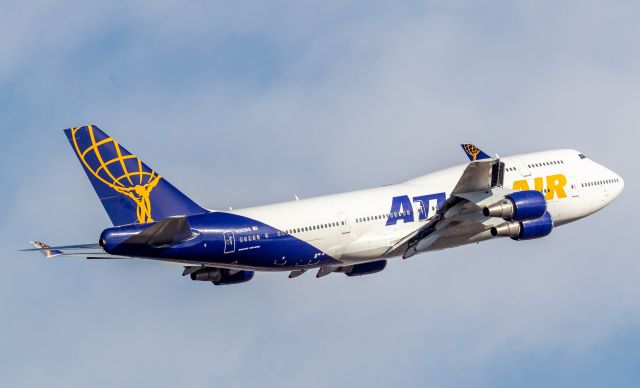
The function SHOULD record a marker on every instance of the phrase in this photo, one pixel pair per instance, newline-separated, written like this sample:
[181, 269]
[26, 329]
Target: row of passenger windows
[327, 226]
[310, 228]
[534, 165]
[542, 164]
[384, 216]
[600, 183]
[252, 238]
[256, 237]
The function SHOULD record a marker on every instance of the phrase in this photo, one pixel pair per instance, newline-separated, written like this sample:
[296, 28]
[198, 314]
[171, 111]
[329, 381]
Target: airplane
[522, 197]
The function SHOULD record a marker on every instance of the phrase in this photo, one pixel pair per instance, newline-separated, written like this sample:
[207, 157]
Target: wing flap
[458, 221]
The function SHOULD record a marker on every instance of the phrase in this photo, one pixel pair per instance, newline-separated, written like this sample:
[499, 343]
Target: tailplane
[45, 249]
[129, 190]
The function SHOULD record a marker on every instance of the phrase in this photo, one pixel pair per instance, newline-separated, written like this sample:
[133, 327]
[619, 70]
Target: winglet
[474, 153]
[45, 249]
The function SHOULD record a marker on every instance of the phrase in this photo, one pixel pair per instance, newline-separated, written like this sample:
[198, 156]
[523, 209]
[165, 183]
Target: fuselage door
[574, 187]
[344, 223]
[421, 210]
[229, 242]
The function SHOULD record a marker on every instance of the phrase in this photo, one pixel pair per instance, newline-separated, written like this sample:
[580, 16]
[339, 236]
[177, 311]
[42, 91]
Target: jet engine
[222, 277]
[525, 230]
[365, 268]
[518, 206]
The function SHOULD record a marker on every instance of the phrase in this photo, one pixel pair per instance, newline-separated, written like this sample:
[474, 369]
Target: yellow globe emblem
[120, 170]
[472, 150]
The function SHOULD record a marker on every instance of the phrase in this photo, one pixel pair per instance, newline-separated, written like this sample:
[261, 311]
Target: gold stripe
[84, 162]
[115, 161]
[99, 156]
[95, 145]
[130, 174]
[124, 168]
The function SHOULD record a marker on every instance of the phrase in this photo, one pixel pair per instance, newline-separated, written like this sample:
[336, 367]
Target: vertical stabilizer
[129, 190]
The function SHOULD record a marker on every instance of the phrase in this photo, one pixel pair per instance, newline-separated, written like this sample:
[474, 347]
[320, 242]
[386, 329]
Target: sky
[242, 103]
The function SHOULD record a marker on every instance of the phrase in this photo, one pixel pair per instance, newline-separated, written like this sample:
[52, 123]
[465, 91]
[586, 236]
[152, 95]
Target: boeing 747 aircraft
[522, 197]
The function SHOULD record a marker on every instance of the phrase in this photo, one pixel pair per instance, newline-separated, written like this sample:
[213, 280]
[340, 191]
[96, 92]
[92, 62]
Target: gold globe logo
[472, 150]
[137, 184]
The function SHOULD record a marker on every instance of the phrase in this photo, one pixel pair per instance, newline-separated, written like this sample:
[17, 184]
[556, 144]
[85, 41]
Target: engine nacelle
[221, 277]
[365, 268]
[525, 230]
[519, 206]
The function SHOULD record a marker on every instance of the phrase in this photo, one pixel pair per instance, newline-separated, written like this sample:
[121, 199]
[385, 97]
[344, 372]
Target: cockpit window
[582, 156]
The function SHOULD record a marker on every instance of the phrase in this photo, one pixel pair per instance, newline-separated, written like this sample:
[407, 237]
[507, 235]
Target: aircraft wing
[459, 220]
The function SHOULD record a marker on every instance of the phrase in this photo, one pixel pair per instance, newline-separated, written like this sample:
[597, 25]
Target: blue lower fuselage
[227, 240]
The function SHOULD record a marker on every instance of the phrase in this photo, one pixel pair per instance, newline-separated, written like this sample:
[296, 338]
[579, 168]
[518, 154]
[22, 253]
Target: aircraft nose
[621, 181]
[619, 184]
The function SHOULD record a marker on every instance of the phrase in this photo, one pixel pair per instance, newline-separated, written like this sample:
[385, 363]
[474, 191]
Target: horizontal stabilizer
[108, 257]
[42, 247]
[45, 249]
[169, 231]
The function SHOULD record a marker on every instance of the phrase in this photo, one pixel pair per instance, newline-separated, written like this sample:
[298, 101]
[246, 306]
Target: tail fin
[474, 153]
[130, 191]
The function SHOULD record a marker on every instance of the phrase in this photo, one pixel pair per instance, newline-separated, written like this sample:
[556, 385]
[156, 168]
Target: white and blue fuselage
[522, 197]
[365, 226]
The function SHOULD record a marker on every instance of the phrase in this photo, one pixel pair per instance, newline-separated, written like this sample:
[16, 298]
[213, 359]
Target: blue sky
[247, 102]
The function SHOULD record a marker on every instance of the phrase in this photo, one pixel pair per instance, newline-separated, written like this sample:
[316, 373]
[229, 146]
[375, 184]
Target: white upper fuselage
[363, 225]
